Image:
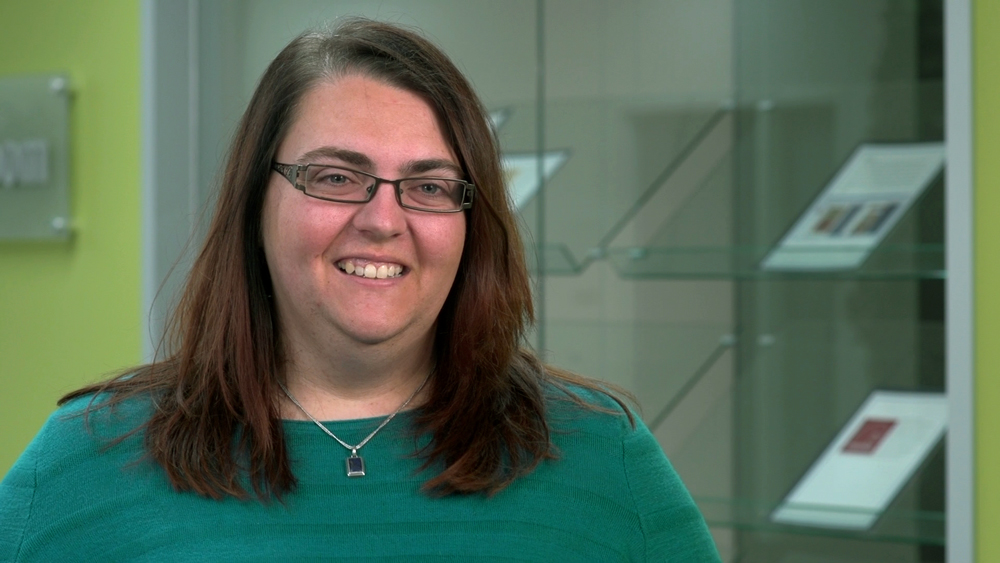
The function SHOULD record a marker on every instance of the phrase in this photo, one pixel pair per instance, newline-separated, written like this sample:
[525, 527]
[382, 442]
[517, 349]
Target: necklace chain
[354, 449]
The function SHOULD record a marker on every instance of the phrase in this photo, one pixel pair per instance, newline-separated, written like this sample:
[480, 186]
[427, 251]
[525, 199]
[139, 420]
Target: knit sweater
[610, 496]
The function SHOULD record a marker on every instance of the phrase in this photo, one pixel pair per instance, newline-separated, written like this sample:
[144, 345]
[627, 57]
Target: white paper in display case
[857, 209]
[868, 463]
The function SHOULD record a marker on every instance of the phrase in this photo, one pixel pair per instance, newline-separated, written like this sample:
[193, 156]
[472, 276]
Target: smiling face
[361, 274]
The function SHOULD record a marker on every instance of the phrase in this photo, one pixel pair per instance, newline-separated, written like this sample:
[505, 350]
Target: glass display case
[691, 155]
[661, 150]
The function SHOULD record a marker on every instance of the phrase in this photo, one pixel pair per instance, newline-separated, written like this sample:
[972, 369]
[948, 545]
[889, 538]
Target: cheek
[269, 231]
[440, 247]
[299, 232]
[460, 244]
[450, 237]
[285, 239]
[453, 252]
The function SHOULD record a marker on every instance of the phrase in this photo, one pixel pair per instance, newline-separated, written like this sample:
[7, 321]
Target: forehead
[368, 116]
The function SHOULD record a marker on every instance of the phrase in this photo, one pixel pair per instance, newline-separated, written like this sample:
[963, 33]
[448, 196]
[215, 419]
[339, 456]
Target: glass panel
[816, 78]
[685, 171]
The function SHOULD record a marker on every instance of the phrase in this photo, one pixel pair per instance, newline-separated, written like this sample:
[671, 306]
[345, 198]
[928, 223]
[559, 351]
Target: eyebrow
[414, 167]
[353, 158]
[361, 160]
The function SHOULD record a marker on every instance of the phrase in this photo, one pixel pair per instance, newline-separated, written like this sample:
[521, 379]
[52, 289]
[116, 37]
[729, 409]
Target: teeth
[371, 271]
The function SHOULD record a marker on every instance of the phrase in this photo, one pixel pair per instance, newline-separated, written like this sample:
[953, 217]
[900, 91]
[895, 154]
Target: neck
[363, 384]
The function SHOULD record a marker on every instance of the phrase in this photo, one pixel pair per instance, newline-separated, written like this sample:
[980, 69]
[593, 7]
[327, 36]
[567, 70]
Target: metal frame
[170, 155]
[960, 312]
[295, 174]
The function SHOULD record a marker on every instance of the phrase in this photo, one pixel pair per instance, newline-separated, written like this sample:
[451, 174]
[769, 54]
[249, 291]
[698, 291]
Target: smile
[370, 270]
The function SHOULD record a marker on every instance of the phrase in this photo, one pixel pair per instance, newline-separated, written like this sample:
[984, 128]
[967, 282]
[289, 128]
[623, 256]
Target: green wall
[70, 312]
[986, 119]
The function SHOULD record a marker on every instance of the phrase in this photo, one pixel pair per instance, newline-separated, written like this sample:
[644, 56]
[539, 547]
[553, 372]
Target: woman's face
[310, 244]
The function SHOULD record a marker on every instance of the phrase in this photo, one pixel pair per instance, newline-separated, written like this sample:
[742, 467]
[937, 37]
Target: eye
[333, 178]
[430, 188]
[431, 193]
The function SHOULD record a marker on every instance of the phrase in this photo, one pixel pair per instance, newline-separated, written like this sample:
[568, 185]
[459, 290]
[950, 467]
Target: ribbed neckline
[403, 421]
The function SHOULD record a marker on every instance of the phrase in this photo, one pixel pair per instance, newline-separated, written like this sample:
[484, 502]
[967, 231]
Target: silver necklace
[355, 463]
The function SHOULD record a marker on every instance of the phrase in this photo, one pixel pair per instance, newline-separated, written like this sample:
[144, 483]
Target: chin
[371, 336]
[371, 339]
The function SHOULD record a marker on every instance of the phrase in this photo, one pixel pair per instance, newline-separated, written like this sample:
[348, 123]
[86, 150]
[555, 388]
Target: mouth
[371, 270]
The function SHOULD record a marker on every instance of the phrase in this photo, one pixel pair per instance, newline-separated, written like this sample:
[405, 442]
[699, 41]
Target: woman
[347, 378]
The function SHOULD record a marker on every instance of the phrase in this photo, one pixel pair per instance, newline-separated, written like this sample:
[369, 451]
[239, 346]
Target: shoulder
[92, 420]
[579, 408]
[599, 438]
[75, 465]
[671, 523]
[83, 429]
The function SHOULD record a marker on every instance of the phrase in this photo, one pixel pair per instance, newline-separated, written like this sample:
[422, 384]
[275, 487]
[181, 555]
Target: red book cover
[872, 432]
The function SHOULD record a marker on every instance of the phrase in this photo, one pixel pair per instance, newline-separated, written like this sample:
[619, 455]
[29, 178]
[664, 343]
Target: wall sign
[34, 157]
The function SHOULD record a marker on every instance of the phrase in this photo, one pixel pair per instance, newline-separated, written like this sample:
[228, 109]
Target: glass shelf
[719, 406]
[701, 405]
[894, 525]
[887, 262]
[557, 260]
[682, 224]
[622, 151]
[657, 362]
[901, 523]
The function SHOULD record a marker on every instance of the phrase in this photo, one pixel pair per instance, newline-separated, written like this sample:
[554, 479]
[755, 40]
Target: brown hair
[221, 380]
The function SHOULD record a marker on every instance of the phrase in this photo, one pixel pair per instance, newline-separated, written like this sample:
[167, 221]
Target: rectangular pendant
[355, 466]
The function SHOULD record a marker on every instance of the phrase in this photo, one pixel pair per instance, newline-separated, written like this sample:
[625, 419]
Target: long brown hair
[220, 380]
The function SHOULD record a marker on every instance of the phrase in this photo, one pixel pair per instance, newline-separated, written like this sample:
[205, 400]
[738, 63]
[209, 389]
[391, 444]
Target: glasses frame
[295, 174]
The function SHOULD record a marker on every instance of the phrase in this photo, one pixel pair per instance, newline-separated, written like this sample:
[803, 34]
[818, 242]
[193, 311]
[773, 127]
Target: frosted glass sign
[34, 157]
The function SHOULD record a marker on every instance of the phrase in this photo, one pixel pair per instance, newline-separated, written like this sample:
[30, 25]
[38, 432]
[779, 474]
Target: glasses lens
[432, 193]
[337, 183]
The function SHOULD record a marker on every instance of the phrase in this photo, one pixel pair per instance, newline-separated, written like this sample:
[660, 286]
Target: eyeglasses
[333, 183]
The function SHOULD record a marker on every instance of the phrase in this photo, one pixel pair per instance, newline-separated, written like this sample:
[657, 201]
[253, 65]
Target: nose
[382, 217]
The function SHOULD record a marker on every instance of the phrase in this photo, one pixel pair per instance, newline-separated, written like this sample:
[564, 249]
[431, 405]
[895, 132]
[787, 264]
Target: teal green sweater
[611, 496]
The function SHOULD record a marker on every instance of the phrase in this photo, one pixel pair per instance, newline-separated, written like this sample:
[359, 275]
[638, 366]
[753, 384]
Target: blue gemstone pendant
[355, 465]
